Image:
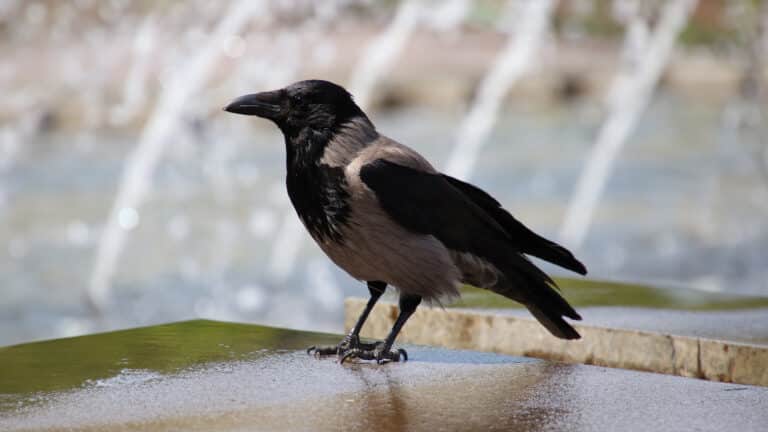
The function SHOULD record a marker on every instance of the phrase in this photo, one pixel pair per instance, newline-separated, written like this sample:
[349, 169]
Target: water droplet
[128, 218]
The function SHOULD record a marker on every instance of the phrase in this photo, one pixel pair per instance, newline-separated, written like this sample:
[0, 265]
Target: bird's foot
[350, 342]
[380, 353]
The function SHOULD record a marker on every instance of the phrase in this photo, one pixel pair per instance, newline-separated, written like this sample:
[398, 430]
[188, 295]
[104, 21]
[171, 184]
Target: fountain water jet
[526, 34]
[141, 163]
[383, 50]
[134, 94]
[629, 96]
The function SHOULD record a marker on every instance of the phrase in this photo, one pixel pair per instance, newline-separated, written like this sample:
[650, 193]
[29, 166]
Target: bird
[382, 213]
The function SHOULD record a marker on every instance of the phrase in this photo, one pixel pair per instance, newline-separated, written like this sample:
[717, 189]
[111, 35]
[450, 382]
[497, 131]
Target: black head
[314, 104]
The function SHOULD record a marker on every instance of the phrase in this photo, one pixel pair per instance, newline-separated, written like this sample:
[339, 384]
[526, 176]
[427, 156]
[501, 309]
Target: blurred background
[633, 131]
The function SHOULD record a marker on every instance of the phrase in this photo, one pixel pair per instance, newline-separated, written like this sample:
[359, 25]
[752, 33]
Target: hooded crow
[382, 213]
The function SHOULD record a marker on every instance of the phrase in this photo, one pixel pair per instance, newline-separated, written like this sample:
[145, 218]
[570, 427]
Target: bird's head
[313, 104]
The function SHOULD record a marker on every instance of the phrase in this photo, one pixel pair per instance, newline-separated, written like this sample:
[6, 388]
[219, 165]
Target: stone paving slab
[204, 375]
[718, 345]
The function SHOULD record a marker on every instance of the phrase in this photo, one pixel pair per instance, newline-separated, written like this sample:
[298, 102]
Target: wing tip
[569, 261]
[579, 268]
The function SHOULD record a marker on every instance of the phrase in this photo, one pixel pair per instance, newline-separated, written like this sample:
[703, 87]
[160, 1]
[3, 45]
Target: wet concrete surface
[267, 383]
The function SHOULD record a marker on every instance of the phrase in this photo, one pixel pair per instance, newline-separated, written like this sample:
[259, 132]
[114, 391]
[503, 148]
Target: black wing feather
[526, 240]
[427, 203]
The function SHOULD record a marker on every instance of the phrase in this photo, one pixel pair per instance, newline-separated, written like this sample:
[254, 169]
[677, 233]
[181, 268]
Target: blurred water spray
[526, 31]
[747, 117]
[134, 91]
[137, 175]
[630, 94]
[383, 50]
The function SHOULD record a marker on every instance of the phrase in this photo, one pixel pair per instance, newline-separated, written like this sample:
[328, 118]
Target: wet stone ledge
[686, 333]
[207, 375]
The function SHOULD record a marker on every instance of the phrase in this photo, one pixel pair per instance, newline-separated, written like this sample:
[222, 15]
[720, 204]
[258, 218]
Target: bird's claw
[379, 354]
[350, 348]
[350, 342]
[322, 351]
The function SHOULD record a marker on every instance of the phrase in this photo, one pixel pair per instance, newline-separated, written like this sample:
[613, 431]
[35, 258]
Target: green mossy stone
[585, 292]
[69, 363]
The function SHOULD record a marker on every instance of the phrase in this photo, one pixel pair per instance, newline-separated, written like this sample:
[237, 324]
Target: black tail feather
[522, 280]
[554, 323]
[527, 284]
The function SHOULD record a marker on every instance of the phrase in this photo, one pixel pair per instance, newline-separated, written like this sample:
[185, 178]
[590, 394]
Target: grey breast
[375, 247]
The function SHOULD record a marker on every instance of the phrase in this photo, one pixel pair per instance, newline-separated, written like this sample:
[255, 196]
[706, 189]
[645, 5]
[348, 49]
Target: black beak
[266, 104]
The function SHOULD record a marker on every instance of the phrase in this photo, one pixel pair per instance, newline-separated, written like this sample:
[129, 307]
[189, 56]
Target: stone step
[677, 332]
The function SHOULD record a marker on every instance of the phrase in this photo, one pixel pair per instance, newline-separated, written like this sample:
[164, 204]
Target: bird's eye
[295, 99]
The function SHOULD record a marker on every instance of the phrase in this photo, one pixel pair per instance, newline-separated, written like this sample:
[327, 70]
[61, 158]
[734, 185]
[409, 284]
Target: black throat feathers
[317, 191]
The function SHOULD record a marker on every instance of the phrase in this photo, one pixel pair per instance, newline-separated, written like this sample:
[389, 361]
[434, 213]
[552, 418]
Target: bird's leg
[352, 340]
[381, 352]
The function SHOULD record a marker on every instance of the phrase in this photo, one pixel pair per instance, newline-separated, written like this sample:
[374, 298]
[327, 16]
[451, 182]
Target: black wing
[526, 240]
[427, 203]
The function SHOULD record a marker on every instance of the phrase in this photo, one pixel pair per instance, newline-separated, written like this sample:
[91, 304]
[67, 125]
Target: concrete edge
[620, 348]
